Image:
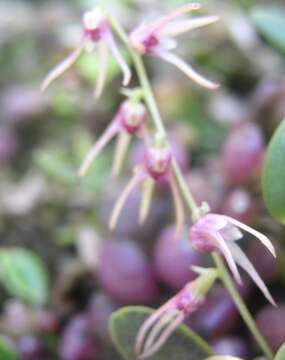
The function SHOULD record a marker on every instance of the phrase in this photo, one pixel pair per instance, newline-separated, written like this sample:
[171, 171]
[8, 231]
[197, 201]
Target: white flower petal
[262, 238]
[186, 69]
[118, 57]
[224, 248]
[244, 262]
[102, 69]
[184, 26]
[109, 133]
[64, 65]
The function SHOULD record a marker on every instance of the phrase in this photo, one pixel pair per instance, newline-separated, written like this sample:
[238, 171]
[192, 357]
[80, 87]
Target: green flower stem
[243, 310]
[193, 206]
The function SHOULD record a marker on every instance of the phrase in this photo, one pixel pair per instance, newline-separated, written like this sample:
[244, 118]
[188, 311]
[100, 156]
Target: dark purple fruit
[173, 258]
[125, 273]
[271, 322]
[99, 311]
[243, 153]
[76, 342]
[231, 345]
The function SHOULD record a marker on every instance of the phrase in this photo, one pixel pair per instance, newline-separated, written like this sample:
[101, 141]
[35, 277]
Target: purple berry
[231, 345]
[243, 153]
[173, 258]
[128, 226]
[271, 322]
[31, 348]
[100, 309]
[219, 315]
[125, 274]
[21, 103]
[76, 342]
[240, 205]
[204, 188]
[8, 145]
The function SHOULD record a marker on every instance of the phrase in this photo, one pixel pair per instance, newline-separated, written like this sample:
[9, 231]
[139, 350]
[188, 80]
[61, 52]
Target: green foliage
[183, 344]
[273, 178]
[62, 163]
[6, 350]
[271, 23]
[280, 353]
[24, 275]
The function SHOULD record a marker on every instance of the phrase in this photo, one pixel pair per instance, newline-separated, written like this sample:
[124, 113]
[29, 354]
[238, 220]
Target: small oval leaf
[280, 353]
[24, 275]
[271, 23]
[273, 177]
[184, 344]
[6, 350]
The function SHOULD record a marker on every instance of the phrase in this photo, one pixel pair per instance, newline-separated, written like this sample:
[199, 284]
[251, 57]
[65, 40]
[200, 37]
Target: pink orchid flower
[158, 39]
[155, 331]
[220, 233]
[96, 30]
[129, 120]
[155, 166]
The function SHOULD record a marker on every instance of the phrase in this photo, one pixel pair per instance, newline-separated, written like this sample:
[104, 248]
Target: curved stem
[193, 206]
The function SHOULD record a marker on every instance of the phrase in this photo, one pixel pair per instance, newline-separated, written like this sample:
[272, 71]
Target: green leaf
[271, 23]
[280, 353]
[6, 350]
[24, 275]
[273, 177]
[55, 165]
[184, 344]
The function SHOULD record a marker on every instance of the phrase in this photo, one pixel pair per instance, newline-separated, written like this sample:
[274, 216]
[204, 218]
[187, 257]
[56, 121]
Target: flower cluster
[210, 232]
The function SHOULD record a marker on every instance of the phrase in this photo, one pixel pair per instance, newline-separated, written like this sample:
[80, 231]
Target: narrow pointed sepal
[102, 69]
[119, 58]
[107, 136]
[137, 178]
[121, 149]
[243, 261]
[58, 70]
[186, 69]
[147, 194]
[178, 206]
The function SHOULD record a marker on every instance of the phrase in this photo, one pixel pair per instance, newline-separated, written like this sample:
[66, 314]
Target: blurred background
[62, 272]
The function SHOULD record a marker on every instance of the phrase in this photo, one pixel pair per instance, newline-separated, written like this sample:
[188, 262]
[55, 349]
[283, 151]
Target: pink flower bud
[157, 162]
[132, 116]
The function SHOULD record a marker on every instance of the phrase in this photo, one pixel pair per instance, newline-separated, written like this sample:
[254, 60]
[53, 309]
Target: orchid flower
[158, 39]
[155, 166]
[155, 331]
[129, 120]
[96, 30]
[220, 233]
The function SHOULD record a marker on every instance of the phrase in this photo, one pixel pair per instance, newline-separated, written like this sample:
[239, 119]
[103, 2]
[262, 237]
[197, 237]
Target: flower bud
[132, 116]
[157, 161]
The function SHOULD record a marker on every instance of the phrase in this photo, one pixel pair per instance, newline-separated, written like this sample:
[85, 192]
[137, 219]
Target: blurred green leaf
[55, 165]
[24, 275]
[183, 344]
[6, 350]
[280, 353]
[271, 23]
[273, 177]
